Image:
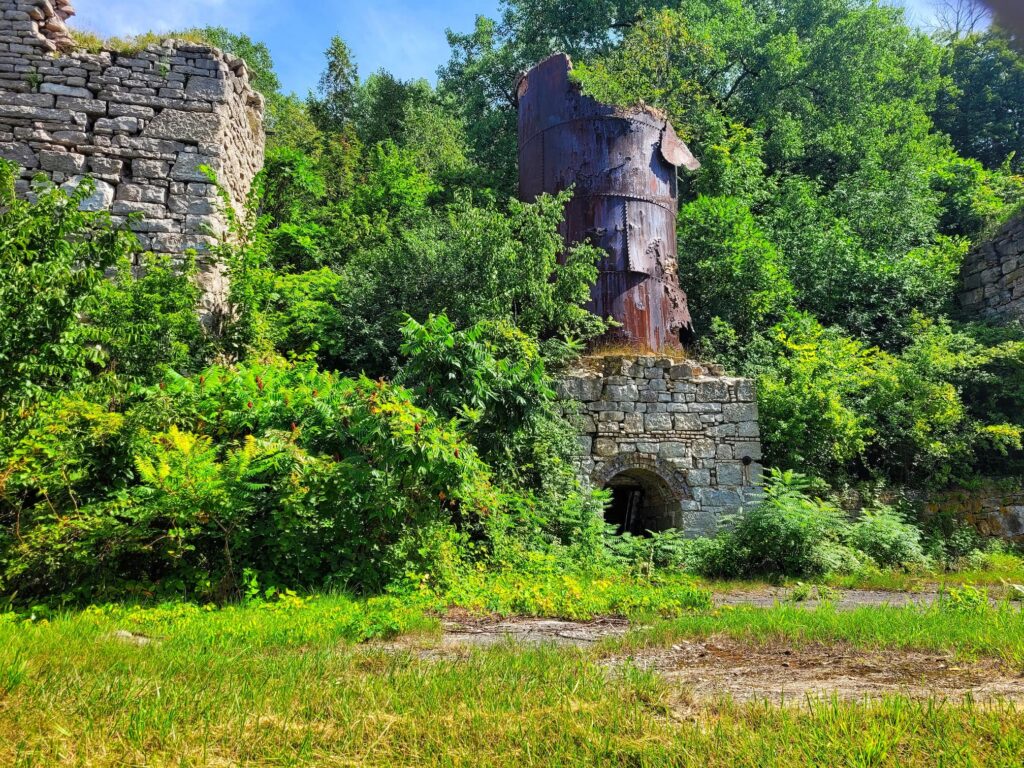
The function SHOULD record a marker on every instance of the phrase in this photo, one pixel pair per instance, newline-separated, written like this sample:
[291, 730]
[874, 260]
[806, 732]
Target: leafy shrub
[887, 538]
[645, 554]
[714, 557]
[834, 406]
[784, 534]
[52, 261]
[965, 599]
[790, 533]
[145, 320]
[298, 475]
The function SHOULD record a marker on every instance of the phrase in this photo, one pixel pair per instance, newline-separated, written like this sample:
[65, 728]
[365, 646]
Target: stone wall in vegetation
[142, 124]
[993, 275]
[993, 511]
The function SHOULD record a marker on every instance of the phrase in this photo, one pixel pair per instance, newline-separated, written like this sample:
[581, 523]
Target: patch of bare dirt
[463, 632]
[746, 671]
[466, 631]
[783, 673]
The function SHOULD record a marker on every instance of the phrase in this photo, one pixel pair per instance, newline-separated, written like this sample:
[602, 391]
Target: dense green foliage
[377, 405]
[130, 465]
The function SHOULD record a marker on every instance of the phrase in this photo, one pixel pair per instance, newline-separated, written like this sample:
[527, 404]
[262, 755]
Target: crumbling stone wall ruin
[679, 439]
[993, 275]
[141, 124]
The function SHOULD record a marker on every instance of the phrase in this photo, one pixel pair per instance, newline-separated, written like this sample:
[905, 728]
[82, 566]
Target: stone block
[151, 210]
[626, 393]
[150, 169]
[674, 450]
[179, 125]
[153, 225]
[605, 447]
[706, 408]
[658, 422]
[687, 422]
[99, 199]
[568, 388]
[704, 449]
[747, 429]
[684, 371]
[130, 110]
[730, 473]
[63, 162]
[740, 412]
[698, 478]
[746, 391]
[92, 107]
[209, 88]
[633, 422]
[65, 90]
[19, 154]
[750, 451]
[188, 167]
[712, 391]
[105, 166]
[720, 498]
[117, 125]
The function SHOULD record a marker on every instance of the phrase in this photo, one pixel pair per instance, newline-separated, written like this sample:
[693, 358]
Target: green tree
[332, 104]
[983, 111]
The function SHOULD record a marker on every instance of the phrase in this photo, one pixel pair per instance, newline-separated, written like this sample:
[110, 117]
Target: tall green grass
[285, 684]
[210, 693]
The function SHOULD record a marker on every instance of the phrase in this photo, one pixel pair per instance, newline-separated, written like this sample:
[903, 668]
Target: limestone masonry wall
[690, 438]
[993, 275]
[141, 124]
[991, 510]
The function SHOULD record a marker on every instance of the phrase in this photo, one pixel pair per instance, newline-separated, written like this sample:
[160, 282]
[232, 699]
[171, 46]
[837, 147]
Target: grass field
[283, 683]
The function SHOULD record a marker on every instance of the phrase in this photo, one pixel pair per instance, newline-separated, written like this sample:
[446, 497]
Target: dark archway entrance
[641, 503]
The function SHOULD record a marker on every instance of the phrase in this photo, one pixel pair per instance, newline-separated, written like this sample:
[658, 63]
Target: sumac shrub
[299, 476]
[887, 538]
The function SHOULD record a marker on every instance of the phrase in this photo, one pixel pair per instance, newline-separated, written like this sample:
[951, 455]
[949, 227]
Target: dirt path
[783, 673]
[780, 672]
[467, 630]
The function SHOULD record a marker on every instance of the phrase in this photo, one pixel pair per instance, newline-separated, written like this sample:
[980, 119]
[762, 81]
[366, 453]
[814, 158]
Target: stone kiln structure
[675, 442]
[678, 445]
[141, 124]
[993, 275]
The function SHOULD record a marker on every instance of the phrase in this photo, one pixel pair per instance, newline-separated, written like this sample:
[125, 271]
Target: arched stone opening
[641, 503]
[646, 495]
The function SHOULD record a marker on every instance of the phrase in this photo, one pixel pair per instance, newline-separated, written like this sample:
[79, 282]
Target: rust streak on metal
[622, 166]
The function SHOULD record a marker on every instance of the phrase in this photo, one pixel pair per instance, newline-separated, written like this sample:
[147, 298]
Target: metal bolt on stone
[622, 166]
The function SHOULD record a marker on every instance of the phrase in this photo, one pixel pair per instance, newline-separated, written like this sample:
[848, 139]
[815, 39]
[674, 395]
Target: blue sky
[403, 36]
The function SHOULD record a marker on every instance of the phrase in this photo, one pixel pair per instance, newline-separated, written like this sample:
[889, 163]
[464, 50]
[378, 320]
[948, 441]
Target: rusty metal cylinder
[621, 164]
